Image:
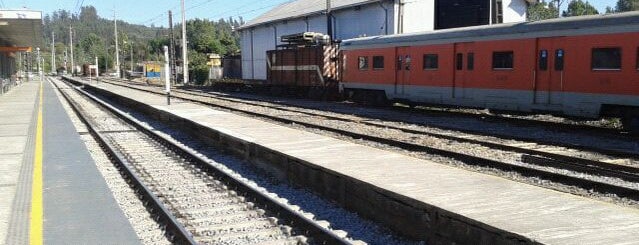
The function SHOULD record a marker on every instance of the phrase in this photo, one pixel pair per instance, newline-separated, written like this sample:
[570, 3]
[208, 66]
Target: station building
[20, 33]
[358, 18]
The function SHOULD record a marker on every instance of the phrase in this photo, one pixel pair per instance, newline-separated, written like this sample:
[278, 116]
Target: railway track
[529, 159]
[196, 202]
[392, 118]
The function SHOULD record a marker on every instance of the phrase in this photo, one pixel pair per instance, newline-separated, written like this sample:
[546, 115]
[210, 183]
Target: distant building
[357, 18]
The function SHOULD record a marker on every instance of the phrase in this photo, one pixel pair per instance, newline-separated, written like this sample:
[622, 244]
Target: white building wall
[247, 56]
[367, 20]
[263, 40]
[514, 10]
[317, 23]
[418, 15]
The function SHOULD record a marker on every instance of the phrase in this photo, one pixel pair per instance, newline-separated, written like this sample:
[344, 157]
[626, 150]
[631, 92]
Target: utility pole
[329, 20]
[185, 61]
[53, 52]
[172, 48]
[97, 68]
[39, 66]
[117, 47]
[167, 76]
[131, 45]
[65, 59]
[71, 44]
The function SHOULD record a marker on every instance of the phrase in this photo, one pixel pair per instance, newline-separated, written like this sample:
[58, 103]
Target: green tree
[92, 45]
[197, 66]
[627, 5]
[542, 11]
[579, 7]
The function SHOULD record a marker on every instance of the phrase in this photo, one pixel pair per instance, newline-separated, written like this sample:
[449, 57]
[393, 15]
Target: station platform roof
[20, 30]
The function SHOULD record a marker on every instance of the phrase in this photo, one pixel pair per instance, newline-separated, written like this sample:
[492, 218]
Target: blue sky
[149, 12]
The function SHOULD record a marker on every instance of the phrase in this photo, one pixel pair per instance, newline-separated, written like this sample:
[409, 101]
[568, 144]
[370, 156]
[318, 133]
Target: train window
[543, 60]
[363, 63]
[431, 62]
[606, 58]
[378, 62]
[559, 59]
[459, 61]
[471, 62]
[503, 60]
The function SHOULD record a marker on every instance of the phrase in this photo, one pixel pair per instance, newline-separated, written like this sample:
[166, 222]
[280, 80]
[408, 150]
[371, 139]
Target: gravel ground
[466, 148]
[452, 122]
[446, 144]
[145, 227]
[339, 219]
[373, 125]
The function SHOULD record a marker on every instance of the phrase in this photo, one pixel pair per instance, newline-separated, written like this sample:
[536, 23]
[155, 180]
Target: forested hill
[94, 37]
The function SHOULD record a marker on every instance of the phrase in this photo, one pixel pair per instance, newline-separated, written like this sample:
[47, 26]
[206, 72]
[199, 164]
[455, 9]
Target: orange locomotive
[579, 66]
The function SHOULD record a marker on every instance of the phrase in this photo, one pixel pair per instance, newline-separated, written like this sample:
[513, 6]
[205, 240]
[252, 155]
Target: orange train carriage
[579, 66]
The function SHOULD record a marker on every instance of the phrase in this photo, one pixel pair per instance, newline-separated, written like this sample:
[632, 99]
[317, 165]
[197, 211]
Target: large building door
[403, 68]
[460, 13]
[549, 73]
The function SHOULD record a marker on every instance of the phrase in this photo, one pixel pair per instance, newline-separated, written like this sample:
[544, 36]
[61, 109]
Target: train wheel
[379, 98]
[275, 91]
[631, 123]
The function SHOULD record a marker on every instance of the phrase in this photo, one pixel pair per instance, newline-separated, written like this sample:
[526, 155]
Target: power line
[273, 5]
[79, 7]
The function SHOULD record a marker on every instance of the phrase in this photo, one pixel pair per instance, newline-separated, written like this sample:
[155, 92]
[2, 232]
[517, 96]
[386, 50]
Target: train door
[549, 71]
[403, 68]
[464, 64]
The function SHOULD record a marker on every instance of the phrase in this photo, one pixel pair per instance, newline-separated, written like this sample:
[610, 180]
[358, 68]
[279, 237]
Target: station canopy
[20, 30]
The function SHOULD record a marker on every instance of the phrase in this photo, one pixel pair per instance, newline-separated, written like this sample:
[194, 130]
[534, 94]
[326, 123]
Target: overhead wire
[268, 6]
[164, 16]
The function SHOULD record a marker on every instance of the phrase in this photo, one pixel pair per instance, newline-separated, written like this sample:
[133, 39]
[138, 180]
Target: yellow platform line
[37, 212]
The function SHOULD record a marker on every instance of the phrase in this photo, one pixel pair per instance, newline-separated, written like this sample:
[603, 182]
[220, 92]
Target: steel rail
[175, 230]
[316, 231]
[551, 125]
[530, 156]
[468, 159]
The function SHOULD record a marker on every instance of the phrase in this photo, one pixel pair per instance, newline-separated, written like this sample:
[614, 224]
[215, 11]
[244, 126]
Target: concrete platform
[77, 206]
[418, 198]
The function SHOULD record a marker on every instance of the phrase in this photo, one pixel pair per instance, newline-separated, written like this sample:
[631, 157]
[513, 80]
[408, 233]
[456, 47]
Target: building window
[363, 63]
[503, 60]
[543, 60]
[471, 61]
[431, 62]
[499, 11]
[606, 58]
[378, 62]
[459, 61]
[559, 59]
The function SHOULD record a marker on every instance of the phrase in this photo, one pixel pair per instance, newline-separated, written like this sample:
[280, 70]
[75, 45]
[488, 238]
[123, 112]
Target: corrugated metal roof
[22, 28]
[301, 8]
[560, 26]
